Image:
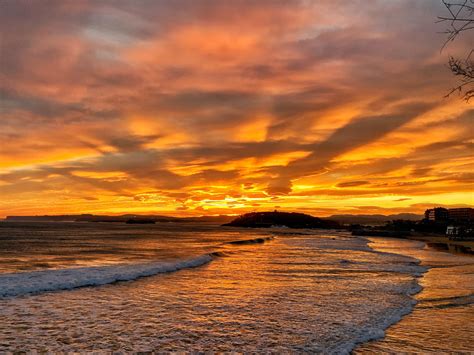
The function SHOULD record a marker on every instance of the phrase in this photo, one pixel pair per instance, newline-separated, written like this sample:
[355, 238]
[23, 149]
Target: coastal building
[461, 214]
[438, 214]
[452, 231]
[460, 233]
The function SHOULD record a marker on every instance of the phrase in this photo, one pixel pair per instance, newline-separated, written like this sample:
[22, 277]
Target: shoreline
[445, 260]
[444, 244]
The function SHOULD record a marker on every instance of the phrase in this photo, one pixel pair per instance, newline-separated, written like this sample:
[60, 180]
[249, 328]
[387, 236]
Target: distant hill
[288, 219]
[46, 218]
[373, 218]
[125, 218]
[121, 218]
[210, 219]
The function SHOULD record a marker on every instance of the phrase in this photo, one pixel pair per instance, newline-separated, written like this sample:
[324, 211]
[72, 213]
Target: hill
[118, 219]
[287, 219]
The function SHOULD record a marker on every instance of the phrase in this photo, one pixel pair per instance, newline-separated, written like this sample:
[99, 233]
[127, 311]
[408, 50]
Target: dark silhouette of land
[140, 221]
[285, 219]
[374, 219]
[125, 218]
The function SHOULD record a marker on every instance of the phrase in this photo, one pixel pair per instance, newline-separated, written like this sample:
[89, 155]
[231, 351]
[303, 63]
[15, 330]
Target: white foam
[17, 284]
[377, 329]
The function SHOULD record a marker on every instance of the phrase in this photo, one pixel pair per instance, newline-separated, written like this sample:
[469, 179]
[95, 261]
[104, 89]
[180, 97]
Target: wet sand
[443, 319]
[443, 243]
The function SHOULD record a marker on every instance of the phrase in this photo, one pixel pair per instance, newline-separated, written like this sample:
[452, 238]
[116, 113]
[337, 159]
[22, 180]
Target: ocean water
[198, 287]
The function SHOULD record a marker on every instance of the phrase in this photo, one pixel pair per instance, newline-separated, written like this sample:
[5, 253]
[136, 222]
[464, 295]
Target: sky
[191, 108]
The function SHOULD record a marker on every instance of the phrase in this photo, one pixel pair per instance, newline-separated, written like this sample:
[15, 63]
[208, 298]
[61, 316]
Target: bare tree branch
[460, 20]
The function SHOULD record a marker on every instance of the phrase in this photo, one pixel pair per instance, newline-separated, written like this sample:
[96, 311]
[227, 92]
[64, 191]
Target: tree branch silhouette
[460, 20]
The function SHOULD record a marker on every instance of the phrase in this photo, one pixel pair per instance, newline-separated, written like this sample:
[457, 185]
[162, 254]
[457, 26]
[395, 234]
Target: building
[460, 233]
[461, 214]
[438, 214]
[453, 231]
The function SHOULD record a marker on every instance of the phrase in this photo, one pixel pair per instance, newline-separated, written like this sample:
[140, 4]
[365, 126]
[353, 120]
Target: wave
[376, 330]
[260, 240]
[361, 333]
[23, 283]
[447, 302]
[34, 282]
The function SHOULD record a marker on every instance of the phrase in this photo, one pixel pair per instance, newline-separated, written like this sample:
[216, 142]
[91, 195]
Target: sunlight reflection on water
[321, 292]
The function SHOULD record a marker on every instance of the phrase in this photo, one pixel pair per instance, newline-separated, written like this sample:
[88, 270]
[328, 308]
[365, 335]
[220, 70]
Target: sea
[196, 287]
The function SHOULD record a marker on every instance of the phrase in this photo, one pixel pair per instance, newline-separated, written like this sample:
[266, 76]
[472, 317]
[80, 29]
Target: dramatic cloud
[202, 107]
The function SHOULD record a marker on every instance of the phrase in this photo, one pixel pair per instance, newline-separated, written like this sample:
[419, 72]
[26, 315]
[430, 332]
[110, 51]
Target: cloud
[352, 183]
[191, 106]
[356, 133]
[130, 143]
[279, 187]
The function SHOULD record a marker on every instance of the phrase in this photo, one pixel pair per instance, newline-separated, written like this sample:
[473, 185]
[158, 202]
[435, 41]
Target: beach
[441, 321]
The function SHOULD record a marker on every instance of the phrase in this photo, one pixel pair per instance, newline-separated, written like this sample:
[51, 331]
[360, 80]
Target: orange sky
[207, 107]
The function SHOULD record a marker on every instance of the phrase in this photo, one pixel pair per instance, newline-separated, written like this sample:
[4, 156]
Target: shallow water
[443, 319]
[314, 291]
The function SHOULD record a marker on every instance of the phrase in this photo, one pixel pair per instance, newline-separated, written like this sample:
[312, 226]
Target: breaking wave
[18, 284]
[23, 283]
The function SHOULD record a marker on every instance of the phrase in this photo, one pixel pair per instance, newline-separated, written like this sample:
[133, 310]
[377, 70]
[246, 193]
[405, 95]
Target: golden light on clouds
[321, 107]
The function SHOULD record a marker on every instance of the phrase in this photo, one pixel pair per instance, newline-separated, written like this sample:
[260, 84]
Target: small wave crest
[260, 240]
[219, 254]
[447, 302]
[34, 282]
